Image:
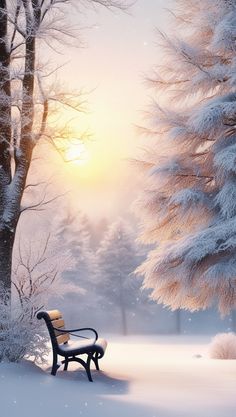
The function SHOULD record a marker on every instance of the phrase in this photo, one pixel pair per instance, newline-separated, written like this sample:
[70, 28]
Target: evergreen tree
[74, 235]
[98, 232]
[188, 208]
[117, 258]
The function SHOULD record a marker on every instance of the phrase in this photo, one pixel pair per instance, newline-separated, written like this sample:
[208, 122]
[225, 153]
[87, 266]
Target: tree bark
[6, 234]
[5, 104]
[12, 184]
[6, 247]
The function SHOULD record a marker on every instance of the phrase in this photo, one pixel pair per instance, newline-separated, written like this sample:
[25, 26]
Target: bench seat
[75, 347]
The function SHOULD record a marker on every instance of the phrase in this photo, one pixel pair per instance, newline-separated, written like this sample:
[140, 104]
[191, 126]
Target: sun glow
[77, 154]
[73, 151]
[93, 149]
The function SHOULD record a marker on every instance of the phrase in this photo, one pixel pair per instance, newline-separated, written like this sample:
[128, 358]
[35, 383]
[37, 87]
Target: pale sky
[120, 49]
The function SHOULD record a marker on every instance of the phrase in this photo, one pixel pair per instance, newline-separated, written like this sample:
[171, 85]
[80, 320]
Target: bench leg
[55, 365]
[65, 362]
[95, 360]
[86, 365]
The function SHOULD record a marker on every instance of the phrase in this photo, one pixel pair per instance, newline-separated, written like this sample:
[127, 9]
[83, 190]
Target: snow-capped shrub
[36, 276]
[21, 334]
[223, 346]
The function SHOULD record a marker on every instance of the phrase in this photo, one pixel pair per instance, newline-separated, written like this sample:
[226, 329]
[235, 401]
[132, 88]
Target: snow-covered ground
[161, 376]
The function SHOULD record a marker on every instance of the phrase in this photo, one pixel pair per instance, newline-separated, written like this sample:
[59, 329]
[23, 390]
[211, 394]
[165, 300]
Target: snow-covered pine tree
[117, 258]
[188, 208]
[74, 236]
[98, 231]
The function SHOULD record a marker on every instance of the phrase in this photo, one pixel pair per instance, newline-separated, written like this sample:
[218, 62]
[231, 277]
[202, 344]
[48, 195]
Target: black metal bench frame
[93, 350]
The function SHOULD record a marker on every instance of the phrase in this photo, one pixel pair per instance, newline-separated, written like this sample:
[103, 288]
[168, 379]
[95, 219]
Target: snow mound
[223, 346]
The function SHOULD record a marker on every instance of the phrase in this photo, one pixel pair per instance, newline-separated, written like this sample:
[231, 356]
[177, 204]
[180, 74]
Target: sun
[73, 150]
[77, 153]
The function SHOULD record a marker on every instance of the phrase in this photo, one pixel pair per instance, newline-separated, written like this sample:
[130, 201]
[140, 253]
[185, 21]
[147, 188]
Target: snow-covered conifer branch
[188, 204]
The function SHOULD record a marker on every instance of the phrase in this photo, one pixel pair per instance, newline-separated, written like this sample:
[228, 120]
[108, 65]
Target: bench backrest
[53, 318]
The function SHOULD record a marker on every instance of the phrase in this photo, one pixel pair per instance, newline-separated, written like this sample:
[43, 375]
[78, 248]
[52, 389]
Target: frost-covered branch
[40, 205]
[37, 273]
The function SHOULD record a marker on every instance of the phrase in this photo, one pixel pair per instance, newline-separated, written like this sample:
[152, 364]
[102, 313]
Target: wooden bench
[70, 349]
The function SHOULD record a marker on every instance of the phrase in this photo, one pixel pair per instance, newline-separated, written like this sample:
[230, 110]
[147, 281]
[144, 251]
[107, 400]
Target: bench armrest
[71, 331]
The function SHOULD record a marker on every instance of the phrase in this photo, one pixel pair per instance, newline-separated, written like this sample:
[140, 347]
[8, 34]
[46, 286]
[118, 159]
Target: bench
[71, 350]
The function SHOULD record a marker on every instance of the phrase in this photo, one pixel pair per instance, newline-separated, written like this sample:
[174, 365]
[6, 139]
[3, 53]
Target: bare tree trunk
[12, 182]
[233, 317]
[5, 103]
[178, 321]
[6, 235]
[6, 247]
[122, 306]
[123, 320]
